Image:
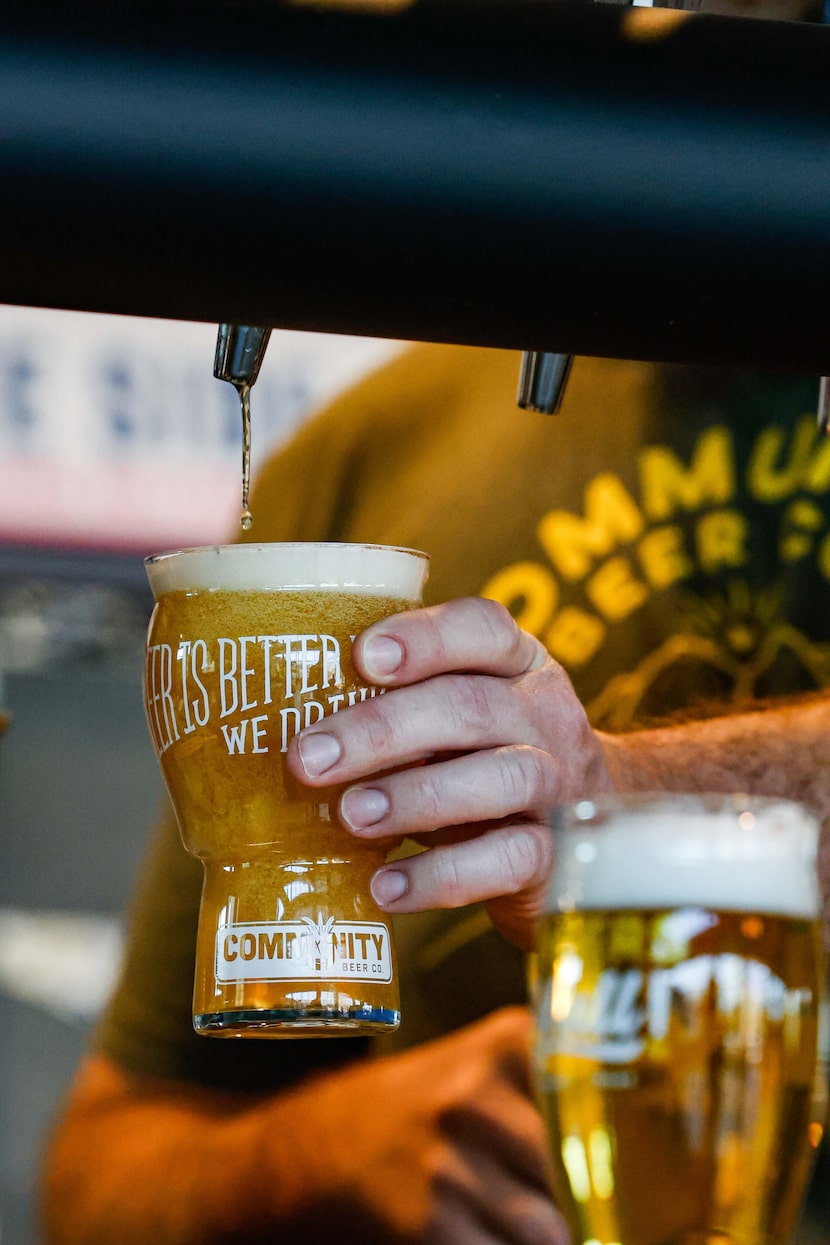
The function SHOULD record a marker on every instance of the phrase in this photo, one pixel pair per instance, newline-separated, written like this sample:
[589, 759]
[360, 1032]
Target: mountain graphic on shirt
[737, 648]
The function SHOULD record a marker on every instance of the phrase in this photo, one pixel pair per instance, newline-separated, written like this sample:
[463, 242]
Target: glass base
[298, 1022]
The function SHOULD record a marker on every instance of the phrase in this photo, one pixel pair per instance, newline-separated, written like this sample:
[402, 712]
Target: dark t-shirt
[667, 535]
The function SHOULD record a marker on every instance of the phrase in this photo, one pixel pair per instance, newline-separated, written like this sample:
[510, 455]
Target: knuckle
[500, 624]
[444, 869]
[430, 636]
[437, 880]
[521, 857]
[422, 795]
[469, 701]
[378, 723]
[527, 775]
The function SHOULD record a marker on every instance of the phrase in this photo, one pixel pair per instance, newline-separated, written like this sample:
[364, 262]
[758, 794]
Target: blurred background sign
[114, 434]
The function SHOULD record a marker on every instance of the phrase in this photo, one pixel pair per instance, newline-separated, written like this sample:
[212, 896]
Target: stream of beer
[246, 518]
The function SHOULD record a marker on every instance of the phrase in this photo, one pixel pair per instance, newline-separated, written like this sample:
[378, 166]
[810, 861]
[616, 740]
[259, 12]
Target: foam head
[730, 853]
[380, 570]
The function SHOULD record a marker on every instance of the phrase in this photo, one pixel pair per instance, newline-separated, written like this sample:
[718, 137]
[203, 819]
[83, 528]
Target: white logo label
[610, 1025]
[255, 692]
[290, 950]
[626, 1008]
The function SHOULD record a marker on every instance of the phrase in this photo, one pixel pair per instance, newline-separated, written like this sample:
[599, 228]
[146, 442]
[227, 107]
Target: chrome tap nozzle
[240, 349]
[542, 381]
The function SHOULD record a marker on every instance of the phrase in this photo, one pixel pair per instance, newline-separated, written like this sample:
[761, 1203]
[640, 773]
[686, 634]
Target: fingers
[497, 1188]
[464, 677]
[479, 1206]
[509, 860]
[466, 634]
[478, 734]
[478, 786]
[461, 711]
[450, 712]
[462, 1157]
[447, 713]
[508, 1032]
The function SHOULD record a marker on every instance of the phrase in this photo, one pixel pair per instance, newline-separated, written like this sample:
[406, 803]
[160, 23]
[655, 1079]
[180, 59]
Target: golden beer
[247, 645]
[680, 995]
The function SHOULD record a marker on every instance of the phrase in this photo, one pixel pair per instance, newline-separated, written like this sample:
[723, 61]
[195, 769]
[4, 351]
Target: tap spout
[240, 349]
[542, 381]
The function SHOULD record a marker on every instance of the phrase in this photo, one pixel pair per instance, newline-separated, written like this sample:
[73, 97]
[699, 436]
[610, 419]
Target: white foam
[378, 570]
[758, 856]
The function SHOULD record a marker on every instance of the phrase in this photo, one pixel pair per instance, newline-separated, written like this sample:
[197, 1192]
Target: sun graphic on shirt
[730, 641]
[737, 619]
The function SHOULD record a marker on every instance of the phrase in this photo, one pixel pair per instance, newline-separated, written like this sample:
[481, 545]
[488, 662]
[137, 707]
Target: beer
[247, 645]
[680, 992]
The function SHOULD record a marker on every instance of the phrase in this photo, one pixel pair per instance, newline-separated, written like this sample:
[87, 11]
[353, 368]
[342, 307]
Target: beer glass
[247, 645]
[678, 1003]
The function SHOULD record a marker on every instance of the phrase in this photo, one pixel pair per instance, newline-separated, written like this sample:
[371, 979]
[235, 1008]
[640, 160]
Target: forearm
[177, 1167]
[779, 749]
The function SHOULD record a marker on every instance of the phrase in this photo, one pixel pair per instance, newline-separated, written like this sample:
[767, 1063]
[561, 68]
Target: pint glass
[678, 1005]
[247, 645]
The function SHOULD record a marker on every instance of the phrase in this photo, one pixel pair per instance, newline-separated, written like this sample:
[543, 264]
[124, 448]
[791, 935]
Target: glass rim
[586, 811]
[285, 566]
[720, 850]
[236, 547]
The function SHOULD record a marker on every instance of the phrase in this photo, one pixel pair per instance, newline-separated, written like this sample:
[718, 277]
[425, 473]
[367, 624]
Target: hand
[440, 1145]
[490, 734]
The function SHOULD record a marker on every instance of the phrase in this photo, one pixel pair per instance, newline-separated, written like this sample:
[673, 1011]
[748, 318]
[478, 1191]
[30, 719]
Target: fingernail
[363, 806]
[388, 885]
[318, 752]
[381, 656]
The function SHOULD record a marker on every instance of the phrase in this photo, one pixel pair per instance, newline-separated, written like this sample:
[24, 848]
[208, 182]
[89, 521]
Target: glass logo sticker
[302, 950]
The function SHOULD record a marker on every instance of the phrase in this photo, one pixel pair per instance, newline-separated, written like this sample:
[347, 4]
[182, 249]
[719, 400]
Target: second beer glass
[680, 989]
[247, 645]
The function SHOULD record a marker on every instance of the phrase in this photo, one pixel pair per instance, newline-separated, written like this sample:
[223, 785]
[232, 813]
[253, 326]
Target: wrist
[623, 764]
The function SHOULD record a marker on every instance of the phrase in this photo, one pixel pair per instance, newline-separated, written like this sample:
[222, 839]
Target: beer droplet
[245, 520]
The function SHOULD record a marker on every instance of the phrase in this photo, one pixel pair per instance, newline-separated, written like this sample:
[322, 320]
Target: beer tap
[542, 381]
[240, 349]
[824, 405]
[544, 375]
